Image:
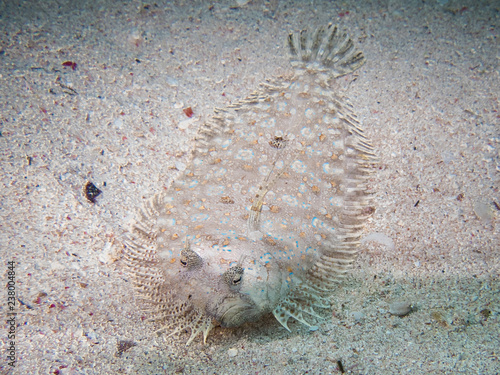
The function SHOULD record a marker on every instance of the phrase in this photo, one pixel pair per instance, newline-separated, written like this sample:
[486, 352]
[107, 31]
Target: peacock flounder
[268, 215]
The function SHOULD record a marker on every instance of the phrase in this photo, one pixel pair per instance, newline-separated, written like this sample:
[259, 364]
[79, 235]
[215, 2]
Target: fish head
[228, 286]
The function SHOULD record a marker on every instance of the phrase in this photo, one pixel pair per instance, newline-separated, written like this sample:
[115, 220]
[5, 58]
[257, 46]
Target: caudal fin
[325, 50]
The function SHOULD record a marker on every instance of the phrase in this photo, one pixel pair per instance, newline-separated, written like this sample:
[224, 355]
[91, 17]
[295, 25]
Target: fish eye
[190, 259]
[233, 276]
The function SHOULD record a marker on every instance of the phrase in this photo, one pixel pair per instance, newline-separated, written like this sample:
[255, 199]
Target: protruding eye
[233, 276]
[190, 259]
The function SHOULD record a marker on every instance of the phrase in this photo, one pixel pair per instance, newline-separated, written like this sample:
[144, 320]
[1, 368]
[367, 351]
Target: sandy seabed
[95, 91]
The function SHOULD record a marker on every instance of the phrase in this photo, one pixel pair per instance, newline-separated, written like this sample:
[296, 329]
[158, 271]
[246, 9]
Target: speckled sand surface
[428, 97]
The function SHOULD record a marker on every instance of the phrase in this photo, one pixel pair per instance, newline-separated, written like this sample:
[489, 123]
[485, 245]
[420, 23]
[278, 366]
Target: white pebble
[358, 315]
[483, 211]
[233, 352]
[400, 308]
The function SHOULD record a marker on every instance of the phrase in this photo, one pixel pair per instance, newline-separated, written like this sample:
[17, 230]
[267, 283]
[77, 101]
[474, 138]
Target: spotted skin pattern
[267, 216]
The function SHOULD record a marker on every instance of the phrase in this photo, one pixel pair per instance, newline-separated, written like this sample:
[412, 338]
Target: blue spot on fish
[298, 166]
[199, 217]
[245, 154]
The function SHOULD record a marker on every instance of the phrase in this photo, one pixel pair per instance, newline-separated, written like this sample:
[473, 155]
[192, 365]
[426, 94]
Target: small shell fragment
[91, 192]
[188, 112]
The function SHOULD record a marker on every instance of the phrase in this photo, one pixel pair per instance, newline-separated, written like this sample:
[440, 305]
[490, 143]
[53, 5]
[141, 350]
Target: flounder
[267, 216]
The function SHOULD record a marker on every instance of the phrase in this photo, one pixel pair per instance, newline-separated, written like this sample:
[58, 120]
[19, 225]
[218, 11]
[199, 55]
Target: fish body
[267, 216]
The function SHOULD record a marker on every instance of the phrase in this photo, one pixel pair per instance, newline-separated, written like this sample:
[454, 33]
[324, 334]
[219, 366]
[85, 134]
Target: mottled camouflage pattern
[268, 215]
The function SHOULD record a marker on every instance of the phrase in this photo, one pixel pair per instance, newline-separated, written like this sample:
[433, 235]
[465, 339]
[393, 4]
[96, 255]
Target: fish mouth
[235, 311]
